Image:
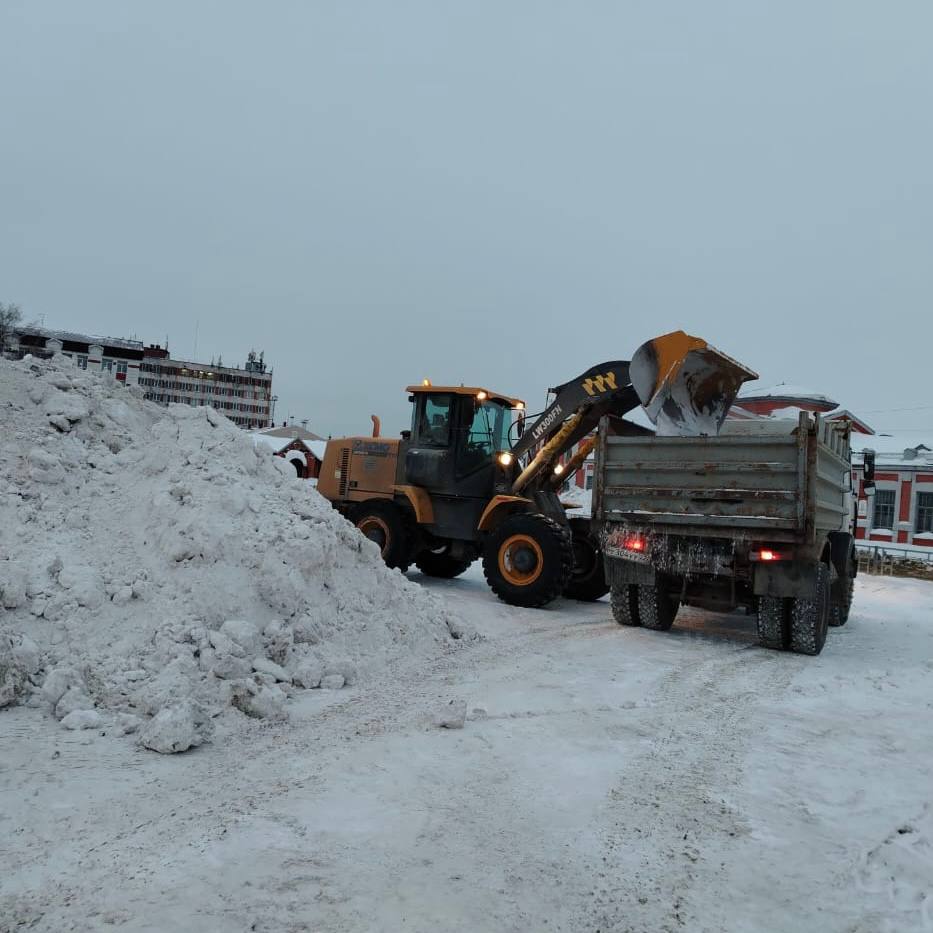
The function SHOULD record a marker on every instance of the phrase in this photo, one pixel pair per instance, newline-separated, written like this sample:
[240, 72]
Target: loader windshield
[487, 434]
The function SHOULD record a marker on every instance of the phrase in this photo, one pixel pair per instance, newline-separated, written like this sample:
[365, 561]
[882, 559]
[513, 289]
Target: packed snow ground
[605, 779]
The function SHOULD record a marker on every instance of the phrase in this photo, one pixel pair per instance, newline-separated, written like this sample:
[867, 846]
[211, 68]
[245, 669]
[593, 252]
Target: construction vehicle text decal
[599, 384]
[547, 422]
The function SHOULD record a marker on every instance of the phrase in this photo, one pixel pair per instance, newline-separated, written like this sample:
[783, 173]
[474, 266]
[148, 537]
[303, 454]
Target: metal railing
[886, 559]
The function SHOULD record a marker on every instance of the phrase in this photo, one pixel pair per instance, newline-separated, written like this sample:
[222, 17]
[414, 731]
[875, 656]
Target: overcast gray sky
[480, 192]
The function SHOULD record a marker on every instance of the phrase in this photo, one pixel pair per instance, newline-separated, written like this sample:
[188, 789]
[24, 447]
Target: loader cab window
[432, 420]
[489, 430]
[486, 434]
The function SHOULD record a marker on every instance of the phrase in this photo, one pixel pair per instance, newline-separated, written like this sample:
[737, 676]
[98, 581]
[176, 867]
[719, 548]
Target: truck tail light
[766, 554]
[635, 543]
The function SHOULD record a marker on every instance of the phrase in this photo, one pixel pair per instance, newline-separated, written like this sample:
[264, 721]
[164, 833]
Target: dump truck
[477, 476]
[759, 516]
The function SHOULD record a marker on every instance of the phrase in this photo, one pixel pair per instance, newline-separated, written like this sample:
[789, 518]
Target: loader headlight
[505, 458]
[558, 469]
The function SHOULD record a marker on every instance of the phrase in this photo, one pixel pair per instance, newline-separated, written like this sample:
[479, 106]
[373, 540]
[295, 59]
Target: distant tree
[10, 317]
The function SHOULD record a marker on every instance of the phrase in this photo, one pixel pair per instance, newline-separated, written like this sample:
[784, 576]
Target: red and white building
[301, 448]
[901, 510]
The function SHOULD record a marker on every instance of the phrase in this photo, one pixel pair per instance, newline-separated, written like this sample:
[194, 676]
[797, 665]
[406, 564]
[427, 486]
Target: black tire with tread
[656, 607]
[588, 578]
[623, 598]
[841, 601]
[809, 618]
[773, 618]
[554, 540]
[441, 564]
[397, 550]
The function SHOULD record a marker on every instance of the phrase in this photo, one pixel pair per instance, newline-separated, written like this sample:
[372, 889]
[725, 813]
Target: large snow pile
[156, 569]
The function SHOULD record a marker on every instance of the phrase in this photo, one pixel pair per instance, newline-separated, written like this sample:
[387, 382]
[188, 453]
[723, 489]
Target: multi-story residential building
[242, 395]
[121, 358]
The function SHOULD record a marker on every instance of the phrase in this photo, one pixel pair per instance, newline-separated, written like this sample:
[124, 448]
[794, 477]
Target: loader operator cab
[458, 437]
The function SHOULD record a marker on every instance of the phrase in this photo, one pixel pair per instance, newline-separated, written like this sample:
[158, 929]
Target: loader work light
[505, 458]
[558, 469]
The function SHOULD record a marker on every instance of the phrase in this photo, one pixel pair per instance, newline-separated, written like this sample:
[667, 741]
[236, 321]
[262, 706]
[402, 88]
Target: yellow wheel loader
[469, 479]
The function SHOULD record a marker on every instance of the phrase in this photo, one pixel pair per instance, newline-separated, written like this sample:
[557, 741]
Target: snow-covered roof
[75, 337]
[292, 431]
[275, 444]
[278, 444]
[896, 449]
[786, 391]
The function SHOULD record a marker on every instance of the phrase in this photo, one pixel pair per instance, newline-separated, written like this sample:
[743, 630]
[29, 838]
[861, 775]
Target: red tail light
[634, 544]
[768, 555]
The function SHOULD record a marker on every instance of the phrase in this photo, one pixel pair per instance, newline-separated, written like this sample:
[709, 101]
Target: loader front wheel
[528, 559]
[384, 525]
[588, 579]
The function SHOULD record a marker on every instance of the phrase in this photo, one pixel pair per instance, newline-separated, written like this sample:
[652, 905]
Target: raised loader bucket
[685, 385]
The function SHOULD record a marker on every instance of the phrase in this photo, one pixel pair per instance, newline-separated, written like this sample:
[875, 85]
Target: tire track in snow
[667, 820]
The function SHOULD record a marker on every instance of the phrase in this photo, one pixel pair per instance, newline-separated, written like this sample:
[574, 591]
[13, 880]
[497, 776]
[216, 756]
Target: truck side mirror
[868, 469]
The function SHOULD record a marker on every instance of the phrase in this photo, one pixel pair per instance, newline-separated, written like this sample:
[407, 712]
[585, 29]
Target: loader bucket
[686, 386]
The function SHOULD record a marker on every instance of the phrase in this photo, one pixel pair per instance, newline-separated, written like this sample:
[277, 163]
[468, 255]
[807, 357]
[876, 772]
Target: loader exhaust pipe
[377, 425]
[685, 385]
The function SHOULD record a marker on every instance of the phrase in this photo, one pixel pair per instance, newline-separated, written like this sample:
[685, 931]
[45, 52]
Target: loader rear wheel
[809, 618]
[440, 563]
[624, 601]
[656, 607]
[588, 579]
[528, 559]
[773, 622]
[384, 525]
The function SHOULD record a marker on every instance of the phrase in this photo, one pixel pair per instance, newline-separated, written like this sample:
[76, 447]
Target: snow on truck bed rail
[156, 570]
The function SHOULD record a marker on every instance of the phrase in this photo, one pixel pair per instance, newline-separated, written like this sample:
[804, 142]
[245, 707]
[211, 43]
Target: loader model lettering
[547, 422]
[599, 384]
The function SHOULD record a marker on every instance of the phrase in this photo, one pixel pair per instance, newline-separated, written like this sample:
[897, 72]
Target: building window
[884, 509]
[81, 361]
[106, 365]
[924, 511]
[121, 367]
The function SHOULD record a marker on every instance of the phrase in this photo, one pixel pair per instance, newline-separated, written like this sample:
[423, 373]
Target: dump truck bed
[784, 481]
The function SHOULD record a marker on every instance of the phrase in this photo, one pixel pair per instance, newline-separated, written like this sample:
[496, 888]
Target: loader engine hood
[685, 385]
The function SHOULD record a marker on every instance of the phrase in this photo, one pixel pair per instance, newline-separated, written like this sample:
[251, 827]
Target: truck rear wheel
[440, 563]
[527, 560]
[773, 622]
[588, 579]
[809, 618]
[656, 607]
[624, 601]
[385, 525]
[841, 600]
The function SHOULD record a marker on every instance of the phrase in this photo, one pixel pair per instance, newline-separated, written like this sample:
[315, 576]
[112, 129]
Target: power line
[877, 411]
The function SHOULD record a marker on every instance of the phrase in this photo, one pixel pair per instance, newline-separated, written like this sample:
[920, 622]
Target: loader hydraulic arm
[684, 385]
[574, 413]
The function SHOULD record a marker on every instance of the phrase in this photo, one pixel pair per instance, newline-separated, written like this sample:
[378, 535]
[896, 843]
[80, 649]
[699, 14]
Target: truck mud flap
[786, 579]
